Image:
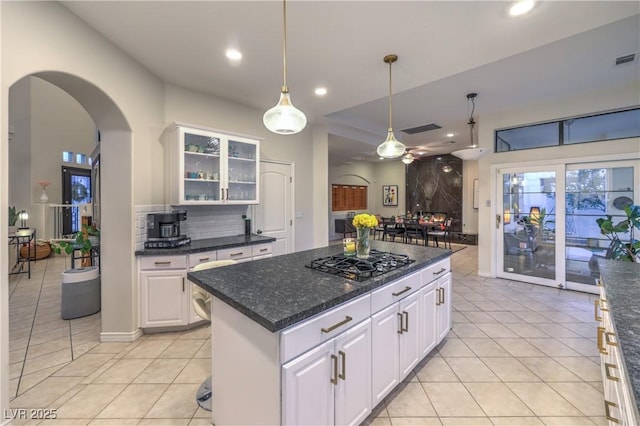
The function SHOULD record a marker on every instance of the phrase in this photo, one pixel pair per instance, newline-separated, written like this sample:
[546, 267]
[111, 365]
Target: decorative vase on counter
[44, 198]
[363, 245]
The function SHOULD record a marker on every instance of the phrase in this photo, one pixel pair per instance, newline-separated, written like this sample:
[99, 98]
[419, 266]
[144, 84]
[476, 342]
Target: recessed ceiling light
[521, 7]
[234, 54]
[450, 135]
[321, 91]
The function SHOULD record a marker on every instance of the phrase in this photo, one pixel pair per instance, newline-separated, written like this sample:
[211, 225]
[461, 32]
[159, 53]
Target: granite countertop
[280, 291]
[207, 244]
[622, 285]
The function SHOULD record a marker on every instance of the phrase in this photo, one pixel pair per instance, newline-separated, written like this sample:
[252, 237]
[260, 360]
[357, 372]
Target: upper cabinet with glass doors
[206, 166]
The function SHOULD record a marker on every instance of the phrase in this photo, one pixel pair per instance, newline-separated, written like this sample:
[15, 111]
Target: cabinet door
[385, 347]
[308, 393]
[164, 298]
[201, 168]
[353, 391]
[444, 307]
[428, 321]
[243, 158]
[410, 352]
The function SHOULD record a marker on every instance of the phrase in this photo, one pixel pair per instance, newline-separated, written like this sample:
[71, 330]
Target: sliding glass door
[546, 223]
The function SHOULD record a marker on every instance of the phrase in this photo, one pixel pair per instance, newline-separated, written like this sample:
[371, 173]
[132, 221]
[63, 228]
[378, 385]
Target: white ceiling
[446, 49]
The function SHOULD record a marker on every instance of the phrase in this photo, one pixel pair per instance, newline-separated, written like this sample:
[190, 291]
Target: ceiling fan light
[284, 118]
[408, 158]
[391, 147]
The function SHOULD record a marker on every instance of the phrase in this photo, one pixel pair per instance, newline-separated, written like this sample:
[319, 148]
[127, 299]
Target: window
[348, 197]
[598, 127]
[80, 158]
[67, 157]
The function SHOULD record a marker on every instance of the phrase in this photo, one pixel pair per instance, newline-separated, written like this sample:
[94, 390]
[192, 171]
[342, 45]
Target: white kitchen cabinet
[164, 298]
[207, 166]
[330, 384]
[429, 335]
[443, 306]
[409, 318]
[385, 348]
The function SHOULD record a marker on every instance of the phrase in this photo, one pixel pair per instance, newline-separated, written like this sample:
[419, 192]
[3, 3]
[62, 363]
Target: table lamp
[23, 216]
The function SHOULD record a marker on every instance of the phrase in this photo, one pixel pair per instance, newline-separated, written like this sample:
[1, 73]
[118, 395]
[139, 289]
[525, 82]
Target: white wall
[594, 101]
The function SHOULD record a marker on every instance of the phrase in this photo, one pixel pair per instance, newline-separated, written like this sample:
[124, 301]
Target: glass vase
[363, 245]
[44, 198]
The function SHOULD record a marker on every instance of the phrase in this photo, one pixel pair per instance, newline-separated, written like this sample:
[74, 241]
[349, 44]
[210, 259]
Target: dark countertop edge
[621, 281]
[207, 244]
[361, 289]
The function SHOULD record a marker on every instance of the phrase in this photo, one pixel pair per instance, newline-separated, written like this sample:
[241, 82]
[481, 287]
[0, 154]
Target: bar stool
[202, 305]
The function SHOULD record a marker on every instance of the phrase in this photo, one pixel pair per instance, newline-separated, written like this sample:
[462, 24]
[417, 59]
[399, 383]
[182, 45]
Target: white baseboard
[108, 336]
[484, 274]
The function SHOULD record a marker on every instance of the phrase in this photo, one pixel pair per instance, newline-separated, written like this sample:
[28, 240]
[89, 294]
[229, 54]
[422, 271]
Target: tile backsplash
[202, 221]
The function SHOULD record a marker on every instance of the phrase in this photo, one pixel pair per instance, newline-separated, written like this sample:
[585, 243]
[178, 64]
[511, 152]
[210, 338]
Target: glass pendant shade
[391, 147]
[408, 158]
[284, 118]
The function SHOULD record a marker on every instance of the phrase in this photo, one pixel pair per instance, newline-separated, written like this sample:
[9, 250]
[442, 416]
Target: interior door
[273, 217]
[527, 221]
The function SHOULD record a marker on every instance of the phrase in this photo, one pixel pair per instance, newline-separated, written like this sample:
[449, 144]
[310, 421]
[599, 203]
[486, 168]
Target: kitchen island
[293, 345]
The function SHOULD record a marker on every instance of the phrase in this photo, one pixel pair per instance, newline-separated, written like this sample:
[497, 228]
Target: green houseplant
[82, 240]
[13, 216]
[619, 249]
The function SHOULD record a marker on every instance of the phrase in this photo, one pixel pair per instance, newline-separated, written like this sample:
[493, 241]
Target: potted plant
[83, 240]
[13, 218]
[618, 249]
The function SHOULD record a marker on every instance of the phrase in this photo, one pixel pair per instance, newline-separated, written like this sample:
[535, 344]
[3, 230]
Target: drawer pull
[204, 259]
[608, 415]
[334, 361]
[400, 329]
[610, 342]
[607, 373]
[601, 348]
[343, 361]
[406, 289]
[236, 254]
[336, 325]
[440, 271]
[596, 305]
[166, 262]
[264, 249]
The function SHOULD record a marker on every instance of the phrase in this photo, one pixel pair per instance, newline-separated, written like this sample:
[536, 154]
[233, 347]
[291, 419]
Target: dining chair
[393, 229]
[379, 230]
[414, 231]
[443, 233]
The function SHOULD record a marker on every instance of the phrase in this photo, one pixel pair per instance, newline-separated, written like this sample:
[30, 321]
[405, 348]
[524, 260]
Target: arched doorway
[119, 298]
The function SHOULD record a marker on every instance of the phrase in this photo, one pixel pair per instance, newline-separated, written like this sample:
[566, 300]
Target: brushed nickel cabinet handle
[405, 314]
[264, 249]
[336, 325]
[334, 361]
[163, 263]
[608, 415]
[440, 271]
[183, 284]
[607, 372]
[610, 342]
[400, 329]
[236, 254]
[442, 295]
[203, 259]
[438, 296]
[406, 289]
[596, 305]
[343, 369]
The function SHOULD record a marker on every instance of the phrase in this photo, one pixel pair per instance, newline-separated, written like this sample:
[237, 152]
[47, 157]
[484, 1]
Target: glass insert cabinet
[207, 166]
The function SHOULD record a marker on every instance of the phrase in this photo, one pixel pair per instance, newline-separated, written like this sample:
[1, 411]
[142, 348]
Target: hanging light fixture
[408, 158]
[391, 147]
[284, 118]
[473, 152]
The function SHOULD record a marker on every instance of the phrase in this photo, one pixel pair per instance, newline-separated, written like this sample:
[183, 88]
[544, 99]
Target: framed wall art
[389, 195]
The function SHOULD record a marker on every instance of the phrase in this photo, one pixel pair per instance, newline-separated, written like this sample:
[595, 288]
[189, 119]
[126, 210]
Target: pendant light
[284, 118]
[408, 158]
[391, 147]
[473, 152]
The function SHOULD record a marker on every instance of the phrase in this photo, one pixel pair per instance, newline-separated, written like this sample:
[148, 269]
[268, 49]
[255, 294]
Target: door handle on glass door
[498, 219]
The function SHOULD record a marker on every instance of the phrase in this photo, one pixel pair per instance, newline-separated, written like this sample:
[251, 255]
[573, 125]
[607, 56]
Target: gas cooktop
[351, 267]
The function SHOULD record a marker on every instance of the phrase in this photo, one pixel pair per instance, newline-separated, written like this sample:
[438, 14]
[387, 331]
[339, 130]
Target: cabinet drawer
[316, 330]
[261, 249]
[436, 270]
[235, 253]
[163, 262]
[395, 291]
[205, 256]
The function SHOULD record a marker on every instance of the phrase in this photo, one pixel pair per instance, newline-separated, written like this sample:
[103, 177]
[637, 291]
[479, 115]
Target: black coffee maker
[163, 230]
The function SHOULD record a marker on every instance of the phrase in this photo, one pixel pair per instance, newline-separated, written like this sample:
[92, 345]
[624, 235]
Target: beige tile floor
[518, 354]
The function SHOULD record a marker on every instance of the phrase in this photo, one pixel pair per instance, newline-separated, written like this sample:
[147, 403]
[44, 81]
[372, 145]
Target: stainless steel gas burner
[350, 267]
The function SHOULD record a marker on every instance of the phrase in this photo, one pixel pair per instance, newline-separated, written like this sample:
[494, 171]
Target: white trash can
[80, 292]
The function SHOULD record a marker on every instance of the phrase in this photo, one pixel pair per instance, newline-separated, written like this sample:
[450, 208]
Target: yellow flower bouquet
[365, 220]
[363, 223]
